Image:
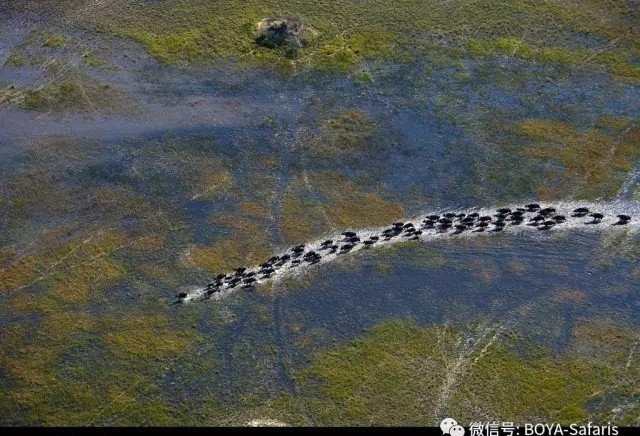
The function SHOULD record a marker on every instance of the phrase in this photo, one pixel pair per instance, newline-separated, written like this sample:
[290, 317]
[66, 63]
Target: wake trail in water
[297, 260]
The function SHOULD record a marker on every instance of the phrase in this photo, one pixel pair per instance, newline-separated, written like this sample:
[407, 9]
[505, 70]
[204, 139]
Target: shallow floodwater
[540, 287]
[192, 159]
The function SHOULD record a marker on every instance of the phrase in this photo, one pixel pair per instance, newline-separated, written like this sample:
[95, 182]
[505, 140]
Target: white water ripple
[610, 211]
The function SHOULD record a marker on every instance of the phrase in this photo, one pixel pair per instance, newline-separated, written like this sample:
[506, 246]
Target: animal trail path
[467, 356]
[312, 253]
[630, 185]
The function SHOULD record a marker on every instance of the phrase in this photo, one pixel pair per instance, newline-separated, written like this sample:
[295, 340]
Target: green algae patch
[371, 43]
[18, 273]
[179, 169]
[254, 210]
[350, 133]
[30, 193]
[401, 374]
[149, 243]
[413, 254]
[59, 327]
[199, 32]
[59, 149]
[69, 96]
[66, 95]
[603, 340]
[556, 388]
[11, 95]
[336, 55]
[59, 377]
[170, 48]
[79, 282]
[39, 393]
[593, 161]
[29, 363]
[249, 230]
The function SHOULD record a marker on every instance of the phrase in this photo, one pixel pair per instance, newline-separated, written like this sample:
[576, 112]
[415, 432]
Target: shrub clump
[290, 34]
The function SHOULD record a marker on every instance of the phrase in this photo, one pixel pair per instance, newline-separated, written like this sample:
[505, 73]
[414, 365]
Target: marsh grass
[53, 40]
[349, 132]
[618, 62]
[71, 366]
[363, 77]
[398, 366]
[16, 61]
[350, 203]
[343, 204]
[70, 95]
[144, 337]
[94, 341]
[179, 31]
[593, 161]
[94, 61]
[249, 245]
[63, 87]
[71, 272]
[302, 219]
